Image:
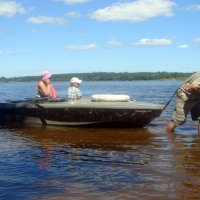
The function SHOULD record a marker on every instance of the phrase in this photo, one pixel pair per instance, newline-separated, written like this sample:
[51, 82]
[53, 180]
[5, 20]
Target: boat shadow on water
[86, 137]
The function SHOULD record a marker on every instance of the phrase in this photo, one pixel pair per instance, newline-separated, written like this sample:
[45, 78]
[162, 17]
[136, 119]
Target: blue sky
[70, 36]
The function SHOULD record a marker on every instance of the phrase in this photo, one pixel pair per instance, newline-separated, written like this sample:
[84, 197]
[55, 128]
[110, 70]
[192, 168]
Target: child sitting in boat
[44, 86]
[74, 91]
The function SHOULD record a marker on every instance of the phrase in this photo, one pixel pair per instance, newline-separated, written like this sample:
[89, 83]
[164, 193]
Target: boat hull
[80, 112]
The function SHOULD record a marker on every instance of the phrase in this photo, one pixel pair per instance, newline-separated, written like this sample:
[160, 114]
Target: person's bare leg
[171, 126]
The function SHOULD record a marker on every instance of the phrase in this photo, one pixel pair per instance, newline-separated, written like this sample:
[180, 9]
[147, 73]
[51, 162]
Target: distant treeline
[105, 76]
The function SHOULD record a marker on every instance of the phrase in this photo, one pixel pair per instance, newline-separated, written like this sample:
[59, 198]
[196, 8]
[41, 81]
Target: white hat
[75, 80]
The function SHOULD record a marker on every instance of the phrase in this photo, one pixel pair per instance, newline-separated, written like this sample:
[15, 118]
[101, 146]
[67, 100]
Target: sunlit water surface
[86, 163]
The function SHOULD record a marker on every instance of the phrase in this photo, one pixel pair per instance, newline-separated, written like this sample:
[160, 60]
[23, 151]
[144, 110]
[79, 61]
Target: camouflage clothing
[187, 101]
[183, 106]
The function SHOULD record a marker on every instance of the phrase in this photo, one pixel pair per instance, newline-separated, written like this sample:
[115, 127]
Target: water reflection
[106, 138]
[91, 163]
[186, 148]
[100, 160]
[88, 144]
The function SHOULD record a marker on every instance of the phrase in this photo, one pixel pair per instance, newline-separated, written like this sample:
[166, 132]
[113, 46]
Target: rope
[41, 116]
[188, 80]
[169, 100]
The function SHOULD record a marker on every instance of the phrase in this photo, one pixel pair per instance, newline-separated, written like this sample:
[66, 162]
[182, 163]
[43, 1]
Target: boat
[98, 110]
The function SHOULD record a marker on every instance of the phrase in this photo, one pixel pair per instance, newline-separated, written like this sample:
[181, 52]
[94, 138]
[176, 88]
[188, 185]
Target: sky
[78, 36]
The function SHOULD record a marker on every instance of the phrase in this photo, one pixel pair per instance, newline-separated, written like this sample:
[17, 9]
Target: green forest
[106, 76]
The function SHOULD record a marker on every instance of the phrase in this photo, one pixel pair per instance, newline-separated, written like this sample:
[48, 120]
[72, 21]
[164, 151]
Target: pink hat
[45, 75]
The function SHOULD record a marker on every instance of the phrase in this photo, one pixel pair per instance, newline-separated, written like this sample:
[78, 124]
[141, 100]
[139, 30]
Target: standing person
[74, 91]
[187, 100]
[44, 86]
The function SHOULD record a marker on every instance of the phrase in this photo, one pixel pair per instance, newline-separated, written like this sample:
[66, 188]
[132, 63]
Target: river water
[100, 163]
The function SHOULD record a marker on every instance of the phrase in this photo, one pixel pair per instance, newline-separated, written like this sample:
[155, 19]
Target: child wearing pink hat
[44, 86]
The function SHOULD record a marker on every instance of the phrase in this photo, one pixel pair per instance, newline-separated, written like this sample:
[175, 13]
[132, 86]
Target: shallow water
[101, 163]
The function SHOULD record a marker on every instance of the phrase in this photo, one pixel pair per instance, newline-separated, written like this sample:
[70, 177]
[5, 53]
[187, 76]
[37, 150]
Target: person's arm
[193, 88]
[78, 93]
[71, 93]
[44, 87]
[53, 92]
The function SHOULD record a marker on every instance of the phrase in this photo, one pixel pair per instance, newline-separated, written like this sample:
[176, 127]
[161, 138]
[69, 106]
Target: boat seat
[110, 98]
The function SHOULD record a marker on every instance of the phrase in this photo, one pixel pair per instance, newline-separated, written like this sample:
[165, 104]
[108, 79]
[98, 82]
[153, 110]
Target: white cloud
[82, 47]
[74, 1]
[47, 20]
[184, 46]
[5, 53]
[153, 42]
[195, 7]
[115, 42]
[197, 40]
[135, 11]
[8, 53]
[73, 14]
[11, 8]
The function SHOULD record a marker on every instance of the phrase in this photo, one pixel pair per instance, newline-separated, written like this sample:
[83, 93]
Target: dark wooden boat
[78, 112]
